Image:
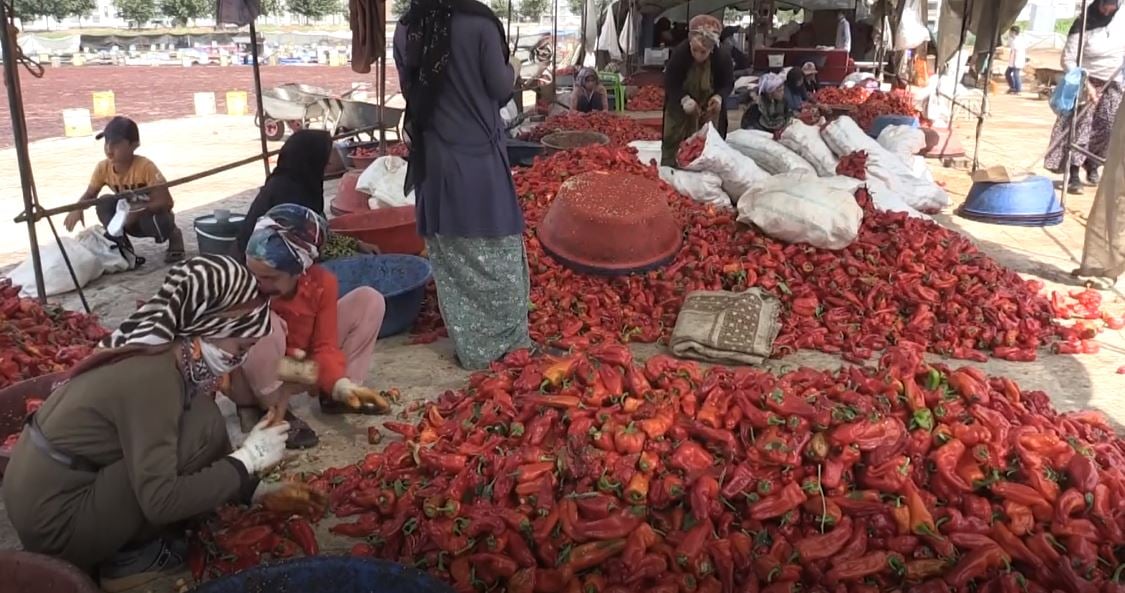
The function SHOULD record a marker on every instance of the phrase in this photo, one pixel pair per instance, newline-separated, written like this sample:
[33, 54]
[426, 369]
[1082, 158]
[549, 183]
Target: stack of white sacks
[789, 187]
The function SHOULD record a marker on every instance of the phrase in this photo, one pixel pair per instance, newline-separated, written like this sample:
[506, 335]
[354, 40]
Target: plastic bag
[903, 141]
[801, 207]
[769, 154]
[702, 187]
[1065, 95]
[56, 276]
[112, 256]
[805, 140]
[647, 150]
[738, 172]
[896, 174]
[383, 180]
[912, 31]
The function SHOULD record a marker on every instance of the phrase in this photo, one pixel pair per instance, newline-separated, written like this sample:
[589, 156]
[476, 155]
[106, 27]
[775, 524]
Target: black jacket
[676, 71]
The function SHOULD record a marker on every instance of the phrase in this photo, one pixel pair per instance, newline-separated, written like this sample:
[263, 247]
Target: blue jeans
[1015, 84]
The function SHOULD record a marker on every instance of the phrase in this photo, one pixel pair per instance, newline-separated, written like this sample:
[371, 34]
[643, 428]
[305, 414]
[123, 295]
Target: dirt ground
[152, 93]
[1015, 135]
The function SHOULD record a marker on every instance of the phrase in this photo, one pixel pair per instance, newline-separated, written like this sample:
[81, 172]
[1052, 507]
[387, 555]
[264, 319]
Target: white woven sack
[772, 156]
[800, 207]
[700, 186]
[805, 140]
[737, 171]
[903, 141]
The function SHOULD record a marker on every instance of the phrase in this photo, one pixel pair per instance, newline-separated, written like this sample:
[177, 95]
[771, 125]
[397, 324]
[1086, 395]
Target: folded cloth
[727, 327]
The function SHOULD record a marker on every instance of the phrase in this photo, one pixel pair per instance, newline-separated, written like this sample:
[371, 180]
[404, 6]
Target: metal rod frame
[1071, 143]
[258, 97]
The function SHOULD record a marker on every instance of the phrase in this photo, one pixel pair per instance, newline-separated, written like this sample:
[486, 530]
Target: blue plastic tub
[885, 121]
[401, 279]
[328, 574]
[1034, 196]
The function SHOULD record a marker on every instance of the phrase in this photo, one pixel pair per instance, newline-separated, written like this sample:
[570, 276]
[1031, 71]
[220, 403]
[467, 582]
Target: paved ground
[151, 93]
[1016, 135]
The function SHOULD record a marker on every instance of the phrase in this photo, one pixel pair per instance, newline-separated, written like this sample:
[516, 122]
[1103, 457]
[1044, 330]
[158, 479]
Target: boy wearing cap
[150, 213]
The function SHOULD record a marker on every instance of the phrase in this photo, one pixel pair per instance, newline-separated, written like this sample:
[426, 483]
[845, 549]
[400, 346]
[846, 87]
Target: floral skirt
[483, 291]
[1093, 130]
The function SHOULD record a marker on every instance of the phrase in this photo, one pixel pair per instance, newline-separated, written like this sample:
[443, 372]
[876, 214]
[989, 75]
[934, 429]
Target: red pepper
[977, 565]
[1083, 472]
[790, 497]
[628, 439]
[594, 554]
[690, 458]
[691, 546]
[613, 527]
[865, 566]
[303, 534]
[946, 459]
[820, 547]
[868, 436]
[637, 544]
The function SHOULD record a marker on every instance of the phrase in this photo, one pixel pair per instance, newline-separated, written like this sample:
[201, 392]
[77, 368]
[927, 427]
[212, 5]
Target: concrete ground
[1016, 135]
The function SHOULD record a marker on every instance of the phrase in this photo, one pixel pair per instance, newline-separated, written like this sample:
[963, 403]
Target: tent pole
[555, 45]
[510, 24]
[15, 109]
[984, 98]
[258, 95]
[383, 103]
[1071, 141]
[966, 12]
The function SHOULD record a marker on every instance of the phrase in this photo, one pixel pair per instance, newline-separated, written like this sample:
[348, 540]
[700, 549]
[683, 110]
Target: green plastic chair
[614, 85]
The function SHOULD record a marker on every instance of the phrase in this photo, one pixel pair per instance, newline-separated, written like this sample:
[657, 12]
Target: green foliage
[313, 9]
[533, 9]
[136, 12]
[399, 7]
[57, 9]
[182, 11]
[271, 7]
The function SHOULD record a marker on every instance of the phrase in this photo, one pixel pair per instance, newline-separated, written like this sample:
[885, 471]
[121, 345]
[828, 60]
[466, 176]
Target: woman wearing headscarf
[131, 443]
[589, 93]
[299, 179]
[1102, 59]
[310, 321]
[771, 112]
[698, 77]
[453, 62]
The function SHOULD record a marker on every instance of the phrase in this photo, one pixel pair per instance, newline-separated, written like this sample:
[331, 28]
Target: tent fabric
[986, 18]
[237, 12]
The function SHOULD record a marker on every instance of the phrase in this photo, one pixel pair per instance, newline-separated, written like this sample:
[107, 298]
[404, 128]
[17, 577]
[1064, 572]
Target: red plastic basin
[24, 571]
[608, 223]
[393, 230]
[349, 199]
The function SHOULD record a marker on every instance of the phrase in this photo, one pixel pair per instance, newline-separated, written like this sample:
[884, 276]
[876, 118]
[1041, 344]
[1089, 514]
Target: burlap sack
[727, 327]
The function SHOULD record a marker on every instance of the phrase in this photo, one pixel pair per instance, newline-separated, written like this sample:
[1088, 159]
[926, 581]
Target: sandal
[301, 435]
[174, 256]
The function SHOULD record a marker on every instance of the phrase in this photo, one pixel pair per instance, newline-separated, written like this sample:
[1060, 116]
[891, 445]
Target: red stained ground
[147, 93]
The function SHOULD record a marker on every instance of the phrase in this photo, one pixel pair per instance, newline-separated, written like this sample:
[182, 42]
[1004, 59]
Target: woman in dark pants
[132, 444]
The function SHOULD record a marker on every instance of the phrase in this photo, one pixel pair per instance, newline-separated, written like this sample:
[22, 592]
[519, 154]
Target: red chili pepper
[302, 533]
[977, 565]
[788, 498]
[691, 458]
[820, 547]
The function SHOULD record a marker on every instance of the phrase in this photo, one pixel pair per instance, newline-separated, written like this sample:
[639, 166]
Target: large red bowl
[349, 199]
[609, 223]
[393, 230]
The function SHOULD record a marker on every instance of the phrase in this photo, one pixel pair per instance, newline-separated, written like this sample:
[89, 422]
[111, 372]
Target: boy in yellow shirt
[150, 214]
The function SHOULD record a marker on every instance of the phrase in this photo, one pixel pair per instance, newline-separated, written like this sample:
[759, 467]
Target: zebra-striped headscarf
[209, 296]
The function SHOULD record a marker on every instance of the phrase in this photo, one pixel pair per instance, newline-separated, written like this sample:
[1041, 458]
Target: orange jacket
[311, 318]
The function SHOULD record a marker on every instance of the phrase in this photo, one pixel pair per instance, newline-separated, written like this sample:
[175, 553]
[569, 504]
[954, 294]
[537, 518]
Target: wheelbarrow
[297, 106]
[344, 115]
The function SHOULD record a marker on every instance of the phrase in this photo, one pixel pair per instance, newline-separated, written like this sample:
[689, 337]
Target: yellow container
[104, 104]
[76, 122]
[334, 58]
[78, 60]
[237, 103]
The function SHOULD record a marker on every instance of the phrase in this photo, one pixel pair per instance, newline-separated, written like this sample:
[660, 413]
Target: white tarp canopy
[679, 9]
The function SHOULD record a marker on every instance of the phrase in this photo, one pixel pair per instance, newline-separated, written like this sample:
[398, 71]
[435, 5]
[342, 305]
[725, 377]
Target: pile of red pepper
[36, 341]
[691, 149]
[235, 540]
[621, 130]
[592, 473]
[840, 96]
[853, 165]
[902, 279]
[399, 149]
[896, 102]
[647, 98]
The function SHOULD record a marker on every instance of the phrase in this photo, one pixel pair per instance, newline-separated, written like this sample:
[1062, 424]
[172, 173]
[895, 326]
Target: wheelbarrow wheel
[274, 129]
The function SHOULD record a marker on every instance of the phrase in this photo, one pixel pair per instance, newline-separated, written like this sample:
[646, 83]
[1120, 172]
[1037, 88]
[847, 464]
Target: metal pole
[15, 106]
[555, 45]
[382, 103]
[1070, 138]
[984, 96]
[510, 23]
[258, 96]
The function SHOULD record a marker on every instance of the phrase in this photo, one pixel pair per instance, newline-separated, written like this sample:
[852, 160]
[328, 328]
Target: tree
[532, 9]
[30, 10]
[313, 9]
[271, 7]
[182, 11]
[399, 7]
[136, 12]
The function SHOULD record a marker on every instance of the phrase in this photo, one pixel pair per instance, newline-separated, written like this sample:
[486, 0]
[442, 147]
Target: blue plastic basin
[401, 279]
[885, 121]
[1034, 196]
[328, 574]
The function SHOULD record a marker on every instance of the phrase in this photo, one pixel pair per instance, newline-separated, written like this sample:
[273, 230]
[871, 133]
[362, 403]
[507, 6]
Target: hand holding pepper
[358, 396]
[291, 498]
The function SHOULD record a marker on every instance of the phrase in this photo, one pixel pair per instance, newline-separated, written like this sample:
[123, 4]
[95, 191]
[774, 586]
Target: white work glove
[264, 446]
[356, 396]
[689, 105]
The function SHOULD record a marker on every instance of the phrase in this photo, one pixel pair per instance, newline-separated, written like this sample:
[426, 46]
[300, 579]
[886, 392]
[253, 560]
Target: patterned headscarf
[770, 82]
[288, 238]
[707, 27]
[209, 296]
[585, 73]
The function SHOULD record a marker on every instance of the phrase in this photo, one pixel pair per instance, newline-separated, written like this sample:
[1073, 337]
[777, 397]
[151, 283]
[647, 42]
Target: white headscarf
[770, 83]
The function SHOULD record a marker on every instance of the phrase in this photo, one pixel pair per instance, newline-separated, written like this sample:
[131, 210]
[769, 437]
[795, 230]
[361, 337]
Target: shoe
[331, 406]
[133, 567]
[1093, 177]
[1074, 187]
[301, 435]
